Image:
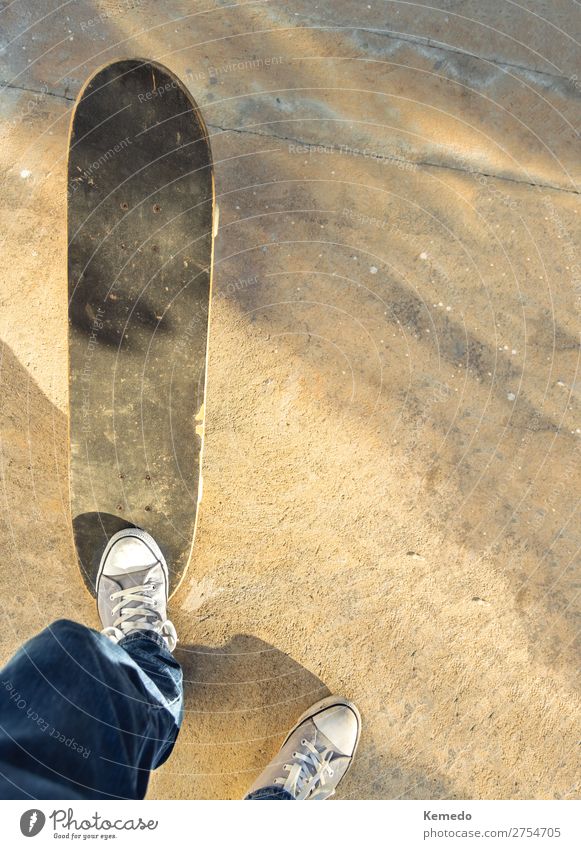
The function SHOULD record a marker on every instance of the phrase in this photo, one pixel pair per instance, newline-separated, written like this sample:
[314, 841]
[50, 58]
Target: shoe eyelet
[330, 773]
[303, 742]
[110, 598]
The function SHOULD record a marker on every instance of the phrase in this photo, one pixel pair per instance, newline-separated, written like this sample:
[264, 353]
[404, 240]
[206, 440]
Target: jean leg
[165, 673]
[84, 718]
[273, 792]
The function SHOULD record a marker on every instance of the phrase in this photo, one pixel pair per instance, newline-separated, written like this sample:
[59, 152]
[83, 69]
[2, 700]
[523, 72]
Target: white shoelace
[307, 775]
[142, 617]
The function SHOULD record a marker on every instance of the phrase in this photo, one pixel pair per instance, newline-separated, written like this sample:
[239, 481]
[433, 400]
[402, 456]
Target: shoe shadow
[241, 699]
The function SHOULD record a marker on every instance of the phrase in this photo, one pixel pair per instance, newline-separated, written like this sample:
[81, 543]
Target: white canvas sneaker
[317, 752]
[132, 587]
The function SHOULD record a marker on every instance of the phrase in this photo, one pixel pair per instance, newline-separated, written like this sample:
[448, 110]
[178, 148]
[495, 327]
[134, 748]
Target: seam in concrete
[434, 45]
[313, 145]
[379, 156]
[43, 92]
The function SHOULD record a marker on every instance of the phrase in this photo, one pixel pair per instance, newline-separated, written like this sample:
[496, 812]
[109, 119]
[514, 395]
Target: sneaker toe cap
[128, 554]
[340, 726]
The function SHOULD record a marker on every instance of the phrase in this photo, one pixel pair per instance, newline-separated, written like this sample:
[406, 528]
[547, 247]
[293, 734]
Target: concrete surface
[393, 428]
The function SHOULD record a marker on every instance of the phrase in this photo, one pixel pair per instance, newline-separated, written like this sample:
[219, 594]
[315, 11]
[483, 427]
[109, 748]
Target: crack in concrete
[313, 145]
[433, 45]
[380, 156]
[43, 92]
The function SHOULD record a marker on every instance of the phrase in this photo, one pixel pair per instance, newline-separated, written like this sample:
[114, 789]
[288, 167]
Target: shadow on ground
[240, 701]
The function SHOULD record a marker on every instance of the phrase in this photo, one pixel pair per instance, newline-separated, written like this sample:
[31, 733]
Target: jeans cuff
[275, 791]
[142, 635]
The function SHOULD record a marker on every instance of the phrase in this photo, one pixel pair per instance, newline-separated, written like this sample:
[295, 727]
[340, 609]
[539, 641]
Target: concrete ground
[393, 428]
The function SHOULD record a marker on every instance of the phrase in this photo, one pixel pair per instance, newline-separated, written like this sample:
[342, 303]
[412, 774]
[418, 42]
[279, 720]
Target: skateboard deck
[141, 222]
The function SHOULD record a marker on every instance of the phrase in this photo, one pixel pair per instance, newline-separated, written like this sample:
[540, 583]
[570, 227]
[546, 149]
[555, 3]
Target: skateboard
[141, 226]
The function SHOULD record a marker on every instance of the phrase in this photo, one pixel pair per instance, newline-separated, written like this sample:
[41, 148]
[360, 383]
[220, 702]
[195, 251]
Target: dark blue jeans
[84, 718]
